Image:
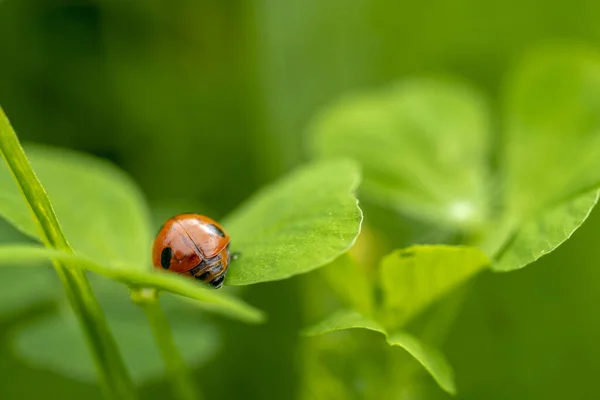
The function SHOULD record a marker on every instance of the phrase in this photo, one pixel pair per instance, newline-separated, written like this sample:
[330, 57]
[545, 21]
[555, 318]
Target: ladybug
[195, 245]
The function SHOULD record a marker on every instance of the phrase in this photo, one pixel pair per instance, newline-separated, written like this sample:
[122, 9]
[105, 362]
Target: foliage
[108, 218]
[42, 342]
[425, 148]
[411, 280]
[204, 103]
[298, 225]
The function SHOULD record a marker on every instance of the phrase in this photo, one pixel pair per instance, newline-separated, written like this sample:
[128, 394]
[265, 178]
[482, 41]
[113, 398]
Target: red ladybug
[192, 244]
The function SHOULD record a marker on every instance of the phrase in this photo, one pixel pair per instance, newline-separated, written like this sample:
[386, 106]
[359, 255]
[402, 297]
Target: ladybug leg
[218, 282]
[212, 272]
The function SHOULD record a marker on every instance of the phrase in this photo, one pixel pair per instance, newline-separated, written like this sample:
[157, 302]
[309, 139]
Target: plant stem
[113, 375]
[177, 370]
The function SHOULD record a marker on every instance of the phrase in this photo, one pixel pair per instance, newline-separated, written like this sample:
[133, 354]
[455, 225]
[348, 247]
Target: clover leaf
[100, 209]
[296, 225]
[426, 149]
[423, 145]
[106, 221]
[552, 137]
[411, 280]
[293, 226]
[433, 361]
[551, 157]
[55, 342]
[19, 288]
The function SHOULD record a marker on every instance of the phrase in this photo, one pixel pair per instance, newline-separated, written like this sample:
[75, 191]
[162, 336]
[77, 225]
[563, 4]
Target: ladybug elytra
[193, 244]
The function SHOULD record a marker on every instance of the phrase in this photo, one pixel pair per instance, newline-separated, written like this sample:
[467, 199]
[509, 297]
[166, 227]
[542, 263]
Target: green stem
[177, 370]
[113, 375]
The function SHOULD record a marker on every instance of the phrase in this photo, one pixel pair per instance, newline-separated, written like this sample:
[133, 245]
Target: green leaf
[414, 278]
[423, 145]
[434, 362]
[19, 287]
[43, 342]
[100, 209]
[342, 320]
[209, 299]
[551, 159]
[431, 359]
[350, 283]
[545, 232]
[296, 225]
[552, 143]
[113, 376]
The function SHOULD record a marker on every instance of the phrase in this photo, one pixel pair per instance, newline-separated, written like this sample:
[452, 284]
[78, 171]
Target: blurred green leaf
[350, 283]
[210, 299]
[432, 360]
[414, 278]
[552, 142]
[21, 287]
[101, 211]
[342, 320]
[55, 342]
[423, 145]
[551, 158]
[113, 376]
[425, 142]
[296, 225]
[545, 232]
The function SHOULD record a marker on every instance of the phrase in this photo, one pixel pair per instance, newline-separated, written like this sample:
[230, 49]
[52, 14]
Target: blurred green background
[202, 102]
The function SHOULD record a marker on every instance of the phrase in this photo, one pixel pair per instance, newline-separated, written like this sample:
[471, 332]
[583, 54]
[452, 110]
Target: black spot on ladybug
[217, 282]
[203, 276]
[165, 257]
[216, 230]
[407, 254]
